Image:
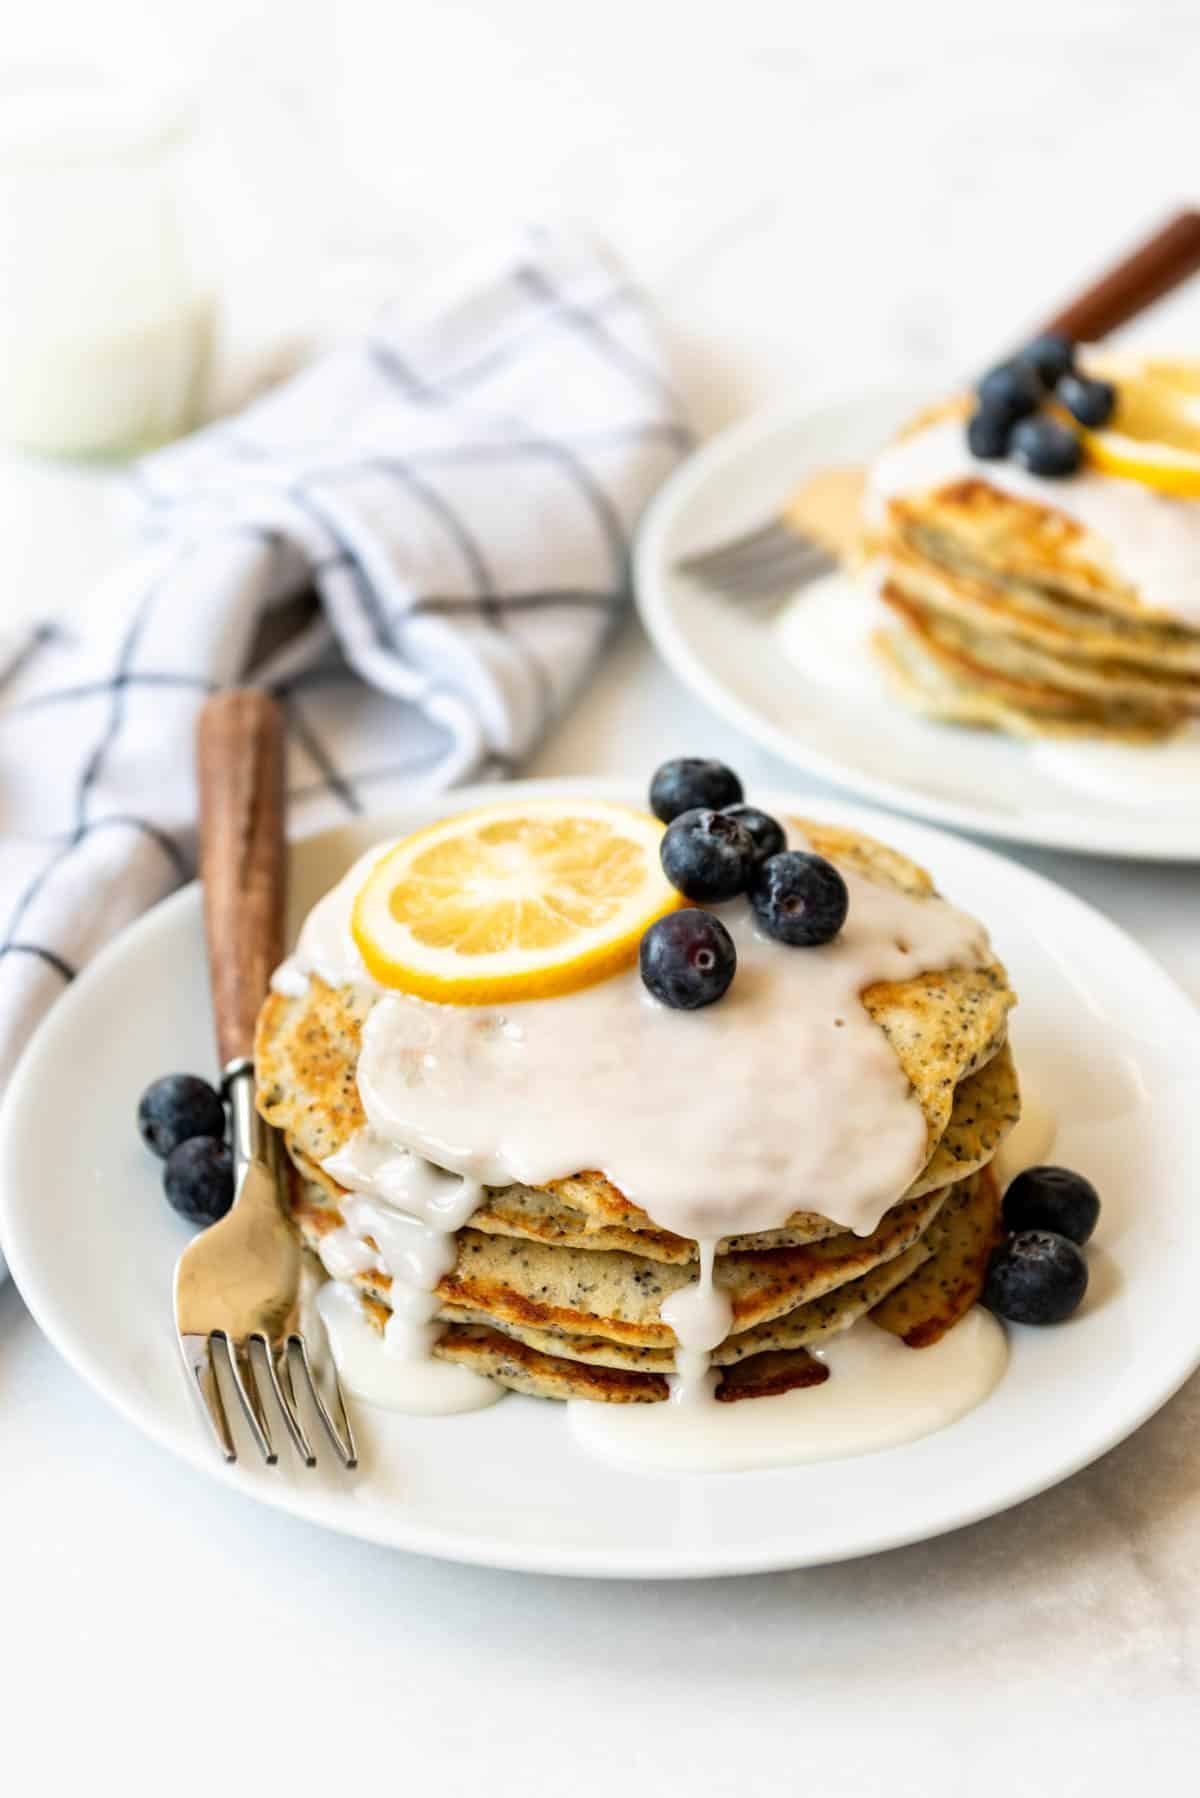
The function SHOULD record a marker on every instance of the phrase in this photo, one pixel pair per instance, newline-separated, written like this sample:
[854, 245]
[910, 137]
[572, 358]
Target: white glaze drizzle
[700, 1315]
[379, 1169]
[411, 1211]
[343, 1254]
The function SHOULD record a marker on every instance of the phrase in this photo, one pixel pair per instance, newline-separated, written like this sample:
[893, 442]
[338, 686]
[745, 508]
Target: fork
[784, 555]
[237, 1286]
[775, 558]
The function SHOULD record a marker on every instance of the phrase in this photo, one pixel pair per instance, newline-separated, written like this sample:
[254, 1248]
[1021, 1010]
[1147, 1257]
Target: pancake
[942, 1027]
[808, 1323]
[986, 1106]
[937, 1288]
[930, 1301]
[523, 1369]
[586, 1292]
[770, 1376]
[953, 692]
[935, 572]
[1036, 680]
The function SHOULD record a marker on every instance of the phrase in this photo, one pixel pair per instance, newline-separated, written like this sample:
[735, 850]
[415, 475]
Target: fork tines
[760, 564]
[201, 1362]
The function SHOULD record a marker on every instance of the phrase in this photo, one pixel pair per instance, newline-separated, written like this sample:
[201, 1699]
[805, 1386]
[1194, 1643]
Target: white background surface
[818, 196]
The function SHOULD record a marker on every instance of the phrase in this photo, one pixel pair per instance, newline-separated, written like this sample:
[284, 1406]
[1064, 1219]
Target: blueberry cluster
[1007, 421]
[1038, 1275]
[716, 847]
[181, 1119]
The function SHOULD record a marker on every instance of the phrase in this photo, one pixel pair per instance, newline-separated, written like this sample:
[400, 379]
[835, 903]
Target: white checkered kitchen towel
[459, 499]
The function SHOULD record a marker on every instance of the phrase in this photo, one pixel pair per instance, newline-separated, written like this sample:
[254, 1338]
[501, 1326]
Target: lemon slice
[1154, 434]
[519, 900]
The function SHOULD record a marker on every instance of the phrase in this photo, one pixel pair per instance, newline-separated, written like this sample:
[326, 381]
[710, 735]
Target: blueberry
[1050, 356]
[988, 432]
[177, 1107]
[1052, 1198]
[1037, 1277]
[1012, 389]
[687, 959]
[690, 781]
[1045, 447]
[1091, 402]
[766, 833]
[707, 855]
[799, 898]
[198, 1179]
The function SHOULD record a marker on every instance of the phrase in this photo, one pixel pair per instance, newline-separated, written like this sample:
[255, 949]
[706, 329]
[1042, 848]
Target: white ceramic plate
[831, 714]
[1102, 1035]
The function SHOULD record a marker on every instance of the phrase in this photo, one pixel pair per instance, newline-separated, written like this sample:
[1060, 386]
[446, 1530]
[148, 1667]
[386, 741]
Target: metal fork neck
[249, 1132]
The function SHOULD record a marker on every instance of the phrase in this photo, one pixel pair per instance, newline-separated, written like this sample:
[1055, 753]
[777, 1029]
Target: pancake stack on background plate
[1065, 607]
[557, 1291]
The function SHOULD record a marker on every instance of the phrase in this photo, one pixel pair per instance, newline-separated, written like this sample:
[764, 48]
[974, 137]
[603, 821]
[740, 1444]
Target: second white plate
[844, 727]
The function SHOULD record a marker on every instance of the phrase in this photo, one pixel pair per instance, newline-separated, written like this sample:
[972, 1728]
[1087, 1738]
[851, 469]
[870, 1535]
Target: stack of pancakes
[1008, 612]
[557, 1290]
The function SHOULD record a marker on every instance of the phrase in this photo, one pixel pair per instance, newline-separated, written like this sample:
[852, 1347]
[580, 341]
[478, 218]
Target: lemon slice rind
[518, 900]
[1154, 437]
[1160, 466]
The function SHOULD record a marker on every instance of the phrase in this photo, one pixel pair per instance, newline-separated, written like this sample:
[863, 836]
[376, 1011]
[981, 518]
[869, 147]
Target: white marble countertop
[881, 196]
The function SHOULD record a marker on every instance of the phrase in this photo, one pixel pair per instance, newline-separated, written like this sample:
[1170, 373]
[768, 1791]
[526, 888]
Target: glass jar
[105, 322]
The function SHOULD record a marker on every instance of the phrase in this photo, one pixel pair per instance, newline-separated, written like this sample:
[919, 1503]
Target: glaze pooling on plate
[880, 1394]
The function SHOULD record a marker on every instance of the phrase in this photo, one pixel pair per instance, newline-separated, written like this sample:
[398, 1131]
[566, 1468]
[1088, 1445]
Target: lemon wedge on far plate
[1154, 434]
[519, 900]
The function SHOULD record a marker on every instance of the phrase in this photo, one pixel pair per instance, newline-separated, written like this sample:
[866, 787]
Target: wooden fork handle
[1160, 263]
[239, 771]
